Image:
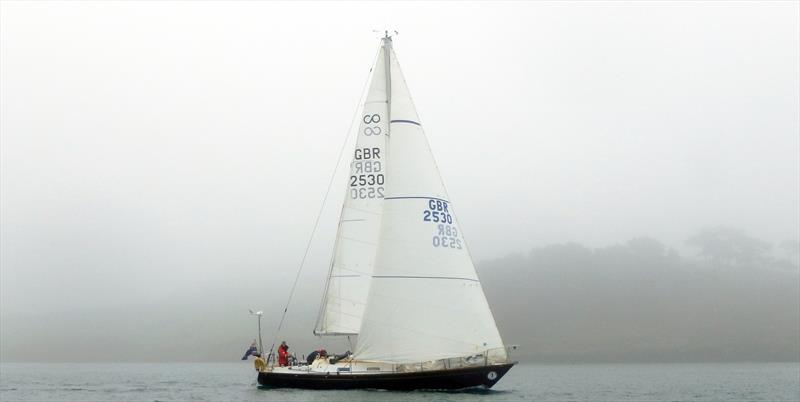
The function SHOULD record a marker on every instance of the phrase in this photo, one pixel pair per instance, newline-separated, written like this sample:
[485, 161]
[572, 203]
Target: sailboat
[401, 278]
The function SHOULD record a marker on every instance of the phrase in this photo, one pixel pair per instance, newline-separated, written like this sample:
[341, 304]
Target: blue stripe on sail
[422, 277]
[424, 198]
[406, 121]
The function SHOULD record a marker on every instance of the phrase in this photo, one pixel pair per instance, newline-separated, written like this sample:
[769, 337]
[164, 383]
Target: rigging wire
[322, 207]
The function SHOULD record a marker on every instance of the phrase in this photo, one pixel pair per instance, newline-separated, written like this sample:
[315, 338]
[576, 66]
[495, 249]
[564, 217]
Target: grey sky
[150, 149]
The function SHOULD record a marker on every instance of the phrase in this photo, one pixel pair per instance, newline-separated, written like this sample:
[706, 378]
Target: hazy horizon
[162, 164]
[637, 302]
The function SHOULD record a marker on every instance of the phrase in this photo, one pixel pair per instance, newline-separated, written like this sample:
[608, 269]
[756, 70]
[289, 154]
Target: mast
[387, 53]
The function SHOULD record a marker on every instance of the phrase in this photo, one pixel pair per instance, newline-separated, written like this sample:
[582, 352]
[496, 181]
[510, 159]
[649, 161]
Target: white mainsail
[425, 301]
[357, 237]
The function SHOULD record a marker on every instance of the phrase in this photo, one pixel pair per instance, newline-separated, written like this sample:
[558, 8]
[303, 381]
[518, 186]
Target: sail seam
[334, 333]
[422, 277]
[358, 240]
[349, 301]
[414, 197]
[406, 121]
[352, 208]
[360, 273]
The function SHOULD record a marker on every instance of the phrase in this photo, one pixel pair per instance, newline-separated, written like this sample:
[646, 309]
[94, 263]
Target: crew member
[317, 353]
[283, 354]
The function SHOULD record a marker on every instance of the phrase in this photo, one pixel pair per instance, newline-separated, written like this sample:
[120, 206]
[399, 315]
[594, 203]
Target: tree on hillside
[729, 246]
[647, 246]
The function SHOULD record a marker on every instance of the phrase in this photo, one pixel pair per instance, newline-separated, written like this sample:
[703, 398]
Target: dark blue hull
[460, 378]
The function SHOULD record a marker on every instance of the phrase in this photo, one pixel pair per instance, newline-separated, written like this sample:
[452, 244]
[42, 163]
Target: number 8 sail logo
[372, 119]
[369, 119]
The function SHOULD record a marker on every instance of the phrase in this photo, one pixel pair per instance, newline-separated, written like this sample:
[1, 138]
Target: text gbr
[366, 180]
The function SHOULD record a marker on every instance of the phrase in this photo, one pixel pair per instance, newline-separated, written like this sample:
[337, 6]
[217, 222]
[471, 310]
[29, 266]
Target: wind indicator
[385, 32]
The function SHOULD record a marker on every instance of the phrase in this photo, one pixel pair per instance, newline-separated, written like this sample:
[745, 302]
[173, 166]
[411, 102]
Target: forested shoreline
[641, 301]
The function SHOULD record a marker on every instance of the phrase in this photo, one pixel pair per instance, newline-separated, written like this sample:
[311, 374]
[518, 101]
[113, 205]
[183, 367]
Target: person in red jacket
[283, 354]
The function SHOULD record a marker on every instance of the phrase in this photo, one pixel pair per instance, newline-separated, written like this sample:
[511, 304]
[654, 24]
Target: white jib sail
[357, 237]
[425, 301]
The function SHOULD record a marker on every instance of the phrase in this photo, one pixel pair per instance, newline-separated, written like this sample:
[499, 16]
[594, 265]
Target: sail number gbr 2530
[446, 234]
[366, 178]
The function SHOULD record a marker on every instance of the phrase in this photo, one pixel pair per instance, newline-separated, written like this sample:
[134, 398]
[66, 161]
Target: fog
[627, 175]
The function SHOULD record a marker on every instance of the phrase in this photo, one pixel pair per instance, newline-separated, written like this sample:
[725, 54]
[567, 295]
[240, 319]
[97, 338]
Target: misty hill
[561, 303]
[642, 302]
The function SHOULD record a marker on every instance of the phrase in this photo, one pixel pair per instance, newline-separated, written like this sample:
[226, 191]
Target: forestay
[425, 301]
[356, 241]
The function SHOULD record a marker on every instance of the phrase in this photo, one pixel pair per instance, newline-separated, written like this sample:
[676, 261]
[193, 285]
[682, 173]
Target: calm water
[236, 382]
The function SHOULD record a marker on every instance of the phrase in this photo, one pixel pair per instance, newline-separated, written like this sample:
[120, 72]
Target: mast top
[387, 39]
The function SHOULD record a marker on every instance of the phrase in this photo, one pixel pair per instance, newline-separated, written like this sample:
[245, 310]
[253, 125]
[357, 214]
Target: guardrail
[490, 356]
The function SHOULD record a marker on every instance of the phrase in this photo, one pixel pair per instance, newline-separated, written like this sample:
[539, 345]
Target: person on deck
[283, 354]
[317, 353]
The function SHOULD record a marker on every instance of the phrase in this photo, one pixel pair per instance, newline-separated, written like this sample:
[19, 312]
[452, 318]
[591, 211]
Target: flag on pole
[251, 351]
